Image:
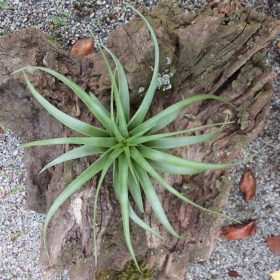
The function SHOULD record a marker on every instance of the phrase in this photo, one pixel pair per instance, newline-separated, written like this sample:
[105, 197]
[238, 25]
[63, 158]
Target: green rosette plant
[128, 143]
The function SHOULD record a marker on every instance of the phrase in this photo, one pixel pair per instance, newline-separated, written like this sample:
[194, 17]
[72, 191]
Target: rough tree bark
[220, 49]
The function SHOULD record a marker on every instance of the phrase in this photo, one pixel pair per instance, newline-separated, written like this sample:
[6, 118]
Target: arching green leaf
[154, 200]
[140, 114]
[65, 119]
[146, 166]
[98, 111]
[169, 114]
[122, 83]
[142, 224]
[121, 186]
[157, 155]
[175, 142]
[75, 185]
[120, 112]
[93, 141]
[138, 139]
[173, 169]
[135, 190]
[112, 157]
[74, 154]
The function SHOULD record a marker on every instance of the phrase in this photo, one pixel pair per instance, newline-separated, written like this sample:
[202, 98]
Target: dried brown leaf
[238, 231]
[273, 243]
[248, 184]
[82, 47]
[233, 273]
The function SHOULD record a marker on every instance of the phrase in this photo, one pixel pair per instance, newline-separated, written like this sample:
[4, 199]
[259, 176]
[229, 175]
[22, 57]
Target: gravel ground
[65, 21]
[20, 228]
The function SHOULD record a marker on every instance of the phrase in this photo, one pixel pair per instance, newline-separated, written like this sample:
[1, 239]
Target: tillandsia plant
[128, 143]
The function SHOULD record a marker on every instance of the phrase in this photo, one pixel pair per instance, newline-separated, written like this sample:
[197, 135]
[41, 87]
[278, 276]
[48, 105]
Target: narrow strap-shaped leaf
[135, 218]
[177, 161]
[122, 83]
[112, 157]
[75, 124]
[169, 114]
[174, 142]
[140, 114]
[92, 141]
[97, 111]
[133, 183]
[121, 185]
[146, 166]
[135, 191]
[113, 121]
[74, 154]
[99, 104]
[134, 139]
[75, 185]
[154, 200]
[173, 169]
[143, 139]
[120, 111]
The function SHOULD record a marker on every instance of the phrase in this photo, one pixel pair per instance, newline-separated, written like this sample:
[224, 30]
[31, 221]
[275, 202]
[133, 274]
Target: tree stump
[220, 49]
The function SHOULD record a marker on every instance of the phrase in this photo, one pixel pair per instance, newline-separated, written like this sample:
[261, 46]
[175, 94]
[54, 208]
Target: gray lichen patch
[164, 80]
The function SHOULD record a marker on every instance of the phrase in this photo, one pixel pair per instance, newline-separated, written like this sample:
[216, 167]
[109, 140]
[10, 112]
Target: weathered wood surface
[221, 50]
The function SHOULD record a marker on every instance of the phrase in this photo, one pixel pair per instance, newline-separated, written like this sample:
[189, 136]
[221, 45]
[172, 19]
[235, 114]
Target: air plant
[128, 143]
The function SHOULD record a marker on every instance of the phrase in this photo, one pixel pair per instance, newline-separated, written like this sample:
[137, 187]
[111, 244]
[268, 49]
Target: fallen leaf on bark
[233, 273]
[275, 275]
[248, 185]
[273, 243]
[82, 47]
[1, 130]
[238, 231]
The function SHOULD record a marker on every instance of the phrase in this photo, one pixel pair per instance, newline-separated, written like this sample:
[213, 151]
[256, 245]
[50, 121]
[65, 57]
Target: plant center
[124, 143]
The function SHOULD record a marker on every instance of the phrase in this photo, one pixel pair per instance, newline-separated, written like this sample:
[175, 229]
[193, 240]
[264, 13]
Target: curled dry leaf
[248, 185]
[238, 231]
[273, 243]
[82, 47]
[1, 130]
[275, 275]
[278, 44]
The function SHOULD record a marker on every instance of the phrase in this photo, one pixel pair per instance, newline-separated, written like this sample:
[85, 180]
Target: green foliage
[5, 6]
[61, 19]
[127, 143]
[16, 188]
[3, 31]
[129, 272]
[7, 273]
